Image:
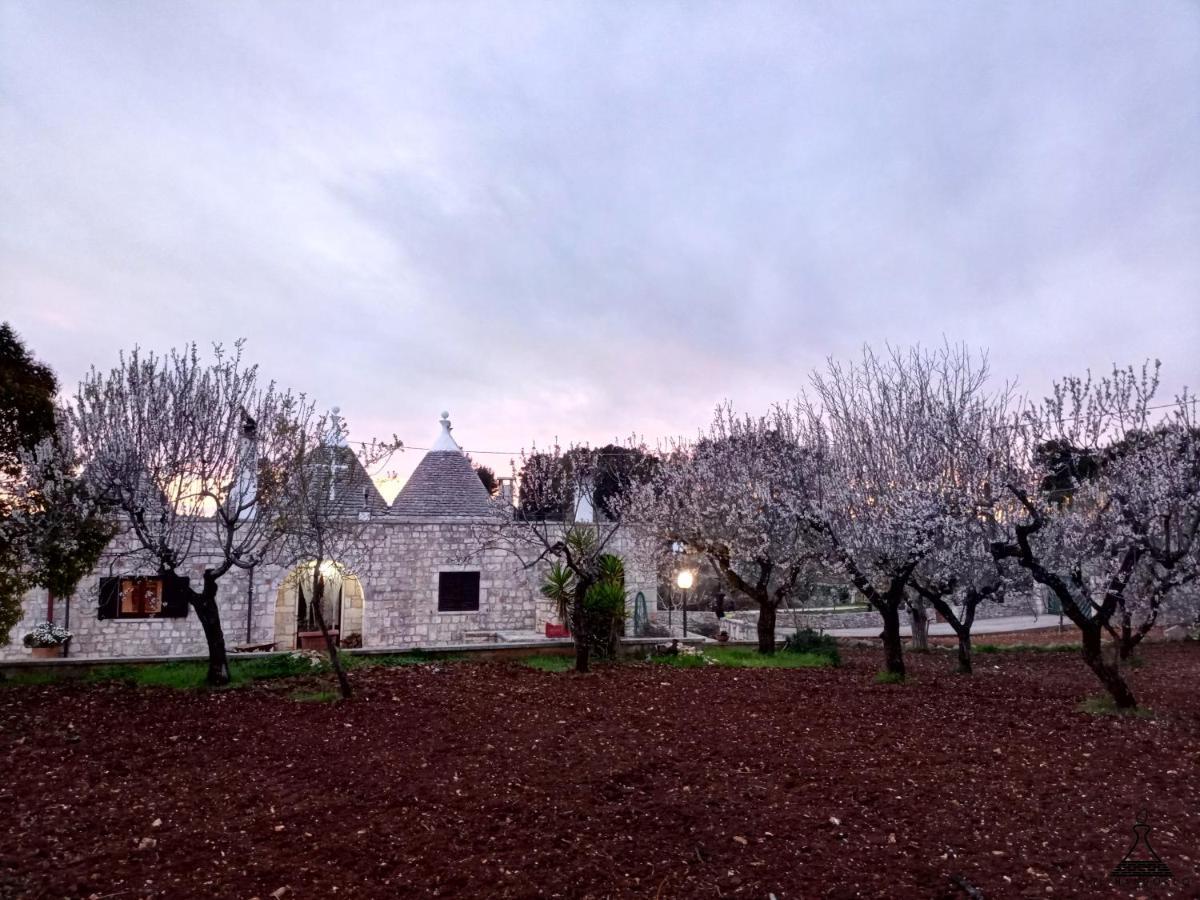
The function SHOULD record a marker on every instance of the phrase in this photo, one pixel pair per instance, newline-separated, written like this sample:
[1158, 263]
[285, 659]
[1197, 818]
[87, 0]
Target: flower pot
[314, 640]
[47, 652]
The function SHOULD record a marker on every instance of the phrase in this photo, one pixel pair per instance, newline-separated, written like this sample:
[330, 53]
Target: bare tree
[324, 516]
[1127, 516]
[191, 453]
[739, 495]
[888, 433]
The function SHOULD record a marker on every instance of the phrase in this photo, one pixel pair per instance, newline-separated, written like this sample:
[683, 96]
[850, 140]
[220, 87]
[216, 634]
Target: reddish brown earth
[465, 780]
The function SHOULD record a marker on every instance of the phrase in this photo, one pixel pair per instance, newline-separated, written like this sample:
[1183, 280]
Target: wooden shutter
[175, 597]
[110, 598]
[458, 591]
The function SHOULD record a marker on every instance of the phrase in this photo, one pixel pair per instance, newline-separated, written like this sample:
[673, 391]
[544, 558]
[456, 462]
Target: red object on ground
[314, 640]
[496, 780]
[557, 631]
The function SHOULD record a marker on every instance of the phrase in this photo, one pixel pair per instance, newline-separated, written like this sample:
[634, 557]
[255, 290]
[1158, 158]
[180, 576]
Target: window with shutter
[458, 591]
[143, 597]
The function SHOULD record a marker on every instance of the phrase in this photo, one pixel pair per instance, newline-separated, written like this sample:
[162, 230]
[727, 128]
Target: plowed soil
[472, 780]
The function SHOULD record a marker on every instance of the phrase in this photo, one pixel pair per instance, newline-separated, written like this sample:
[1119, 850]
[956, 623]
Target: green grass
[412, 658]
[1027, 648]
[1102, 705]
[22, 679]
[747, 658]
[190, 675]
[889, 678]
[314, 696]
[549, 663]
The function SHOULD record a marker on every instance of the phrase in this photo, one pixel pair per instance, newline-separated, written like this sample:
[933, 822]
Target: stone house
[429, 582]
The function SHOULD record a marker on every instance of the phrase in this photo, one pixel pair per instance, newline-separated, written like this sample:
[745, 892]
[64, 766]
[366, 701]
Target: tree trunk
[335, 659]
[1109, 675]
[964, 653]
[583, 654]
[579, 628]
[766, 627]
[961, 626]
[205, 605]
[893, 645]
[919, 616]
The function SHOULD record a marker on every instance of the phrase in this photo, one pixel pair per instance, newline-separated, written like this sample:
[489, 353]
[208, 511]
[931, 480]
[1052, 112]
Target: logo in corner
[1141, 861]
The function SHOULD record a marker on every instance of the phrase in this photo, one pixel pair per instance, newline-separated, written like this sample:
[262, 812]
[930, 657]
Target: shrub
[604, 610]
[806, 640]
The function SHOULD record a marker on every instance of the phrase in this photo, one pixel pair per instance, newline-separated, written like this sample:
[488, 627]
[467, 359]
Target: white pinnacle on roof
[443, 484]
[445, 443]
[335, 433]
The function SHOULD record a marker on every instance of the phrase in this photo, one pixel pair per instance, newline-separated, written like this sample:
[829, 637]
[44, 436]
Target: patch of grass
[180, 675]
[24, 679]
[549, 663]
[889, 678]
[1027, 648]
[747, 658]
[190, 674]
[314, 696]
[411, 658]
[1103, 705]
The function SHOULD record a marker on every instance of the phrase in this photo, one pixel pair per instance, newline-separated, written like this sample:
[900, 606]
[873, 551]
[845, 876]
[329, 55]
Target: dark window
[458, 591]
[143, 597]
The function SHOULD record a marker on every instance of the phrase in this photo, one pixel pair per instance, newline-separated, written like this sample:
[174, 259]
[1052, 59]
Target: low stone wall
[742, 625]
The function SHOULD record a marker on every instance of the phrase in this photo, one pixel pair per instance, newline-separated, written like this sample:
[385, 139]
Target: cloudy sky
[594, 219]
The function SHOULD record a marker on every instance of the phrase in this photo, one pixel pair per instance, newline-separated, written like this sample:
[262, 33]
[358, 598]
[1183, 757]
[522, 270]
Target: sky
[587, 221]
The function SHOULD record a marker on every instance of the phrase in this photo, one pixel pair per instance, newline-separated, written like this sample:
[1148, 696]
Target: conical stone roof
[443, 484]
[353, 490]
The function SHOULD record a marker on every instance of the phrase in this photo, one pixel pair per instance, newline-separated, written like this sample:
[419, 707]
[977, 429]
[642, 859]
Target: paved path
[942, 629]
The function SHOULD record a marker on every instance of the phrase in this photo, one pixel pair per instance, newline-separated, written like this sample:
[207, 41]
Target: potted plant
[47, 640]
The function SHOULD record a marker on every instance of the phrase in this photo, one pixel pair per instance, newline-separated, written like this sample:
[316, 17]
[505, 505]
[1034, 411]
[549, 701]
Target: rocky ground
[462, 780]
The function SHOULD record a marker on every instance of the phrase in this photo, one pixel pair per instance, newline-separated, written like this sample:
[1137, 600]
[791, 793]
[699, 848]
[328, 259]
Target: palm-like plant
[559, 587]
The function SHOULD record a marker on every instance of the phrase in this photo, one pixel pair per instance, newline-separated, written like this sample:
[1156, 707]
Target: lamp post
[684, 581]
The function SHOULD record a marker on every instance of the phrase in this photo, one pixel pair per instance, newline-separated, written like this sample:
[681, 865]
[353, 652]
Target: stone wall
[399, 582]
[94, 636]
[743, 624]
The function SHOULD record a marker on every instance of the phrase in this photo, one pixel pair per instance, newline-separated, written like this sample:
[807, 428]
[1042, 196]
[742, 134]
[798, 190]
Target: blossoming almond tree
[1126, 519]
[890, 436]
[958, 574]
[739, 495]
[191, 453]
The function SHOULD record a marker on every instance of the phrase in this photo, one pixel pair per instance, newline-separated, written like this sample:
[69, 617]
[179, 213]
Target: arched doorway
[342, 605]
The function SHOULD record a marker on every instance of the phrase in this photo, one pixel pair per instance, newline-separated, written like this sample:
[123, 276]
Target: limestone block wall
[94, 636]
[401, 589]
[399, 607]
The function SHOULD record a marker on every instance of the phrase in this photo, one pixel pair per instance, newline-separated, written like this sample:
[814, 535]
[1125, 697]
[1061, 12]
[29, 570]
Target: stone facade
[399, 597]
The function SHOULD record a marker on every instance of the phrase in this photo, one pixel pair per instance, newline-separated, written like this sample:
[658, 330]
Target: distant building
[428, 585]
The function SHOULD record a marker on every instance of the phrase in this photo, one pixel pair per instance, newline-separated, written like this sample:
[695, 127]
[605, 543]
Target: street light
[684, 580]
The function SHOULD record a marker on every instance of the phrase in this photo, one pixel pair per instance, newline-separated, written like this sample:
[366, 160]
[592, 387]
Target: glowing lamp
[685, 579]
